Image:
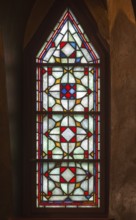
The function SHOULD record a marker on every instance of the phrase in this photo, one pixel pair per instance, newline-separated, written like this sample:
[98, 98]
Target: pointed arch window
[67, 119]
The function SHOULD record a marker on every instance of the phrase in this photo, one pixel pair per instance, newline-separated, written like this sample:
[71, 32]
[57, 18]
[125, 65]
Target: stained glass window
[68, 119]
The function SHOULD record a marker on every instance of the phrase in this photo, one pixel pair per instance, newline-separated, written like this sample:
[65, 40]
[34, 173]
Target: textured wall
[13, 17]
[122, 40]
[123, 110]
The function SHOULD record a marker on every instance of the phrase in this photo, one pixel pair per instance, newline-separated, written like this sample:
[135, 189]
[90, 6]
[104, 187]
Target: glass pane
[68, 89]
[67, 129]
[68, 44]
[68, 184]
[68, 137]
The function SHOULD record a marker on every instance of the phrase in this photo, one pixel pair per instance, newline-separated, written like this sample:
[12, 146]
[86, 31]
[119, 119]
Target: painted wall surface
[123, 110]
[18, 22]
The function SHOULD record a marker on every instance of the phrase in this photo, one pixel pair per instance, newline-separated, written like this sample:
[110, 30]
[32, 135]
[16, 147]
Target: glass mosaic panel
[68, 44]
[68, 136]
[67, 119]
[68, 184]
[68, 89]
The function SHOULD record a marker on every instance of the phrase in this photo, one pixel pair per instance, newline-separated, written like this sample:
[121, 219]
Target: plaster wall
[123, 110]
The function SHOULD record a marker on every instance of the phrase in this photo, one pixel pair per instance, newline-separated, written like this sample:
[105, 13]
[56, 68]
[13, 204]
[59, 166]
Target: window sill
[41, 218]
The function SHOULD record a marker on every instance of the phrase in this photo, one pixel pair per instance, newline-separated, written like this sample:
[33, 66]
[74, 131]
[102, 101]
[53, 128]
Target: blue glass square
[64, 91]
[72, 91]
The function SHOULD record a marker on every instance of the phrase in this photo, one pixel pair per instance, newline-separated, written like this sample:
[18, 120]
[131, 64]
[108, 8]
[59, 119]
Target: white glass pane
[90, 124]
[57, 157]
[55, 131]
[51, 145]
[44, 81]
[65, 104]
[90, 144]
[91, 184]
[70, 38]
[80, 178]
[79, 117]
[57, 108]
[71, 29]
[71, 103]
[57, 191]
[65, 38]
[45, 185]
[78, 156]
[52, 60]
[51, 101]
[51, 123]
[71, 60]
[56, 178]
[91, 102]
[86, 54]
[71, 187]
[57, 74]
[80, 131]
[51, 185]
[71, 121]
[49, 54]
[65, 28]
[78, 151]
[55, 171]
[55, 88]
[77, 39]
[91, 81]
[51, 80]
[55, 94]
[57, 117]
[64, 78]
[79, 108]
[65, 121]
[58, 39]
[80, 94]
[79, 53]
[79, 75]
[83, 60]
[80, 137]
[84, 144]
[80, 88]
[67, 49]
[56, 53]
[45, 101]
[84, 102]
[84, 80]
[45, 143]
[64, 187]
[84, 123]
[71, 78]
[55, 137]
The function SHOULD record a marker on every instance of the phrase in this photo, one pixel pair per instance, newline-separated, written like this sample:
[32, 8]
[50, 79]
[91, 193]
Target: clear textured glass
[68, 133]
[68, 88]
[66, 129]
[61, 180]
[68, 41]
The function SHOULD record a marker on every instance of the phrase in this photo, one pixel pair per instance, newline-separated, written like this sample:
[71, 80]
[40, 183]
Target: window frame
[90, 27]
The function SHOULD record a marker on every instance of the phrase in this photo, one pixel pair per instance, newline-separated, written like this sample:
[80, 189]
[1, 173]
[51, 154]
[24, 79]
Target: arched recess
[98, 9]
[38, 40]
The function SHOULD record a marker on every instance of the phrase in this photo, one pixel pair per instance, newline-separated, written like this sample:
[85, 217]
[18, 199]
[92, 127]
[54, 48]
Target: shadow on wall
[123, 119]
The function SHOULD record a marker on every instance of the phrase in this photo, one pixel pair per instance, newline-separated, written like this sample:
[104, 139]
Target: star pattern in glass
[68, 119]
